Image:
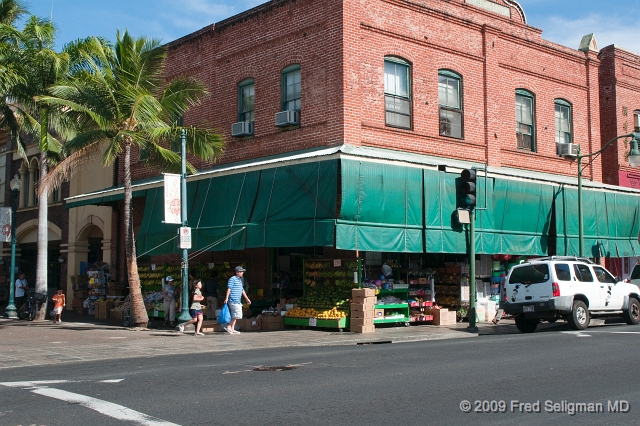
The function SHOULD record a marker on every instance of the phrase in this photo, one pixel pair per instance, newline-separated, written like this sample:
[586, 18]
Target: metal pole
[472, 272]
[580, 224]
[184, 316]
[10, 312]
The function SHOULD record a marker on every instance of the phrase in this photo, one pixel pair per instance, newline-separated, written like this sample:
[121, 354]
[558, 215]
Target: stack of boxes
[362, 310]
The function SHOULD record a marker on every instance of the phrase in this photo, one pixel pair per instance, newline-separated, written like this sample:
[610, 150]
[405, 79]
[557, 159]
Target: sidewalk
[76, 340]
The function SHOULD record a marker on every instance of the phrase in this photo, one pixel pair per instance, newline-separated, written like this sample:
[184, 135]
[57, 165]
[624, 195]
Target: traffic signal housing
[467, 197]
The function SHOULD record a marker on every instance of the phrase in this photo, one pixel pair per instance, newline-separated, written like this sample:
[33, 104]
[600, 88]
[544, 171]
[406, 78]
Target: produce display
[333, 313]
[150, 277]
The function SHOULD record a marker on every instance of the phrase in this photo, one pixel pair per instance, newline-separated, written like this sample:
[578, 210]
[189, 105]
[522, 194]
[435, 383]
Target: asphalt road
[379, 384]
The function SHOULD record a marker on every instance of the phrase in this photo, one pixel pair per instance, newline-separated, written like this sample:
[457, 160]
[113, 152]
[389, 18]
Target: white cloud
[608, 30]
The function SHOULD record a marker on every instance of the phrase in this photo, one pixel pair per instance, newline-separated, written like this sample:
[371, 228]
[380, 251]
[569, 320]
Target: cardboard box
[359, 307]
[271, 323]
[363, 329]
[211, 328]
[117, 315]
[363, 292]
[362, 314]
[249, 324]
[365, 300]
[422, 281]
[359, 322]
[442, 316]
[378, 313]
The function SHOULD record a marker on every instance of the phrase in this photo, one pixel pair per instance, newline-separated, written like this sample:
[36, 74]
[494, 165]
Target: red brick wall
[341, 47]
[619, 98]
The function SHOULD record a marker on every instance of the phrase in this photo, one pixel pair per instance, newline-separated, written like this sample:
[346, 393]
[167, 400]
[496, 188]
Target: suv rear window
[529, 274]
[635, 274]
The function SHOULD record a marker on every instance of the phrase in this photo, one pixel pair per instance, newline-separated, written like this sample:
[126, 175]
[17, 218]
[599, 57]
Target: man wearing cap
[235, 292]
[169, 294]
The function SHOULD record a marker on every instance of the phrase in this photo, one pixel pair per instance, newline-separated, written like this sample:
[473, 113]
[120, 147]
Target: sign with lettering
[185, 237]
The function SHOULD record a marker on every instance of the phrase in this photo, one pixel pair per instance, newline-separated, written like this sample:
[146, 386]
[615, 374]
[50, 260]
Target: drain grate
[377, 342]
[283, 368]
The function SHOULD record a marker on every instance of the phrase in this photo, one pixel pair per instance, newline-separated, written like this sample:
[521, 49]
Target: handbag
[225, 316]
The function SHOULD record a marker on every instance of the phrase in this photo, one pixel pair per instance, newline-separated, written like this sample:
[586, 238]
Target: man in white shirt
[22, 286]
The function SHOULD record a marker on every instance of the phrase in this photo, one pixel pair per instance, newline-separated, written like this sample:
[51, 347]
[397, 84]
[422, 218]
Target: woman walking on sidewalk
[195, 297]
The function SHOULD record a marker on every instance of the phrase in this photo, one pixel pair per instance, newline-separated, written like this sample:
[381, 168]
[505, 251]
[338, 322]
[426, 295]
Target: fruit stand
[326, 294]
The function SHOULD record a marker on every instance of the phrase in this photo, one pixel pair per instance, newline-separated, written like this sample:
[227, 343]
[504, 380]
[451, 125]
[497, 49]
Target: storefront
[321, 211]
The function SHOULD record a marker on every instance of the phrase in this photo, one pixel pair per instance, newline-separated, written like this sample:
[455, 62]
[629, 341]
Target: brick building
[347, 124]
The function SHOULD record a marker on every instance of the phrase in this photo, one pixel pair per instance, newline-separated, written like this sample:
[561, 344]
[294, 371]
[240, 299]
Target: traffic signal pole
[472, 272]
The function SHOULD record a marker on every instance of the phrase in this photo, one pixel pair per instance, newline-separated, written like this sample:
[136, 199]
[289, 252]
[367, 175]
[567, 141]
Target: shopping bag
[225, 316]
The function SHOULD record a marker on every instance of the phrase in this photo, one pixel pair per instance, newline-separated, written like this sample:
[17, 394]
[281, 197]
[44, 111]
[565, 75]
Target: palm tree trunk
[43, 241]
[139, 317]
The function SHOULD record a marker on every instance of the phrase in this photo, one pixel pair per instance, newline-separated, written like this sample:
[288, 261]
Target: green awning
[611, 223]
[295, 206]
[381, 207]
[517, 219]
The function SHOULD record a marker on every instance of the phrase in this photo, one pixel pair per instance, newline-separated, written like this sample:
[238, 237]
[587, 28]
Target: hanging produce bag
[225, 316]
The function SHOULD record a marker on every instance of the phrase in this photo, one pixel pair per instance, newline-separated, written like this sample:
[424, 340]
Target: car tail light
[504, 291]
[556, 289]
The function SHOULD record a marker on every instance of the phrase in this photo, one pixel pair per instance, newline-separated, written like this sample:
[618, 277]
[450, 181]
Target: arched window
[563, 121]
[246, 100]
[636, 119]
[397, 92]
[291, 88]
[525, 120]
[450, 101]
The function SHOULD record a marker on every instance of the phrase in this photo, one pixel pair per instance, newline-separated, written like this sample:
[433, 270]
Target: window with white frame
[246, 100]
[636, 119]
[450, 102]
[563, 121]
[397, 93]
[291, 88]
[525, 120]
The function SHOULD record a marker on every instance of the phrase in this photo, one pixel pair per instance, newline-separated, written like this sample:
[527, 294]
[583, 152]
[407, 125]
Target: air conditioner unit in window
[287, 118]
[567, 149]
[242, 128]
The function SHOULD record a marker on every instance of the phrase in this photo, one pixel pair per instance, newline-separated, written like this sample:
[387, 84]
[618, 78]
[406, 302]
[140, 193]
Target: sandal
[172, 324]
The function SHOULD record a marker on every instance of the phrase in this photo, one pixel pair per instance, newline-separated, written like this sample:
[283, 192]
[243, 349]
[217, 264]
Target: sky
[562, 21]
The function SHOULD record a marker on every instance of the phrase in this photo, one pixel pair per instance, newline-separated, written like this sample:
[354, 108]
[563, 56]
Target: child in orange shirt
[59, 302]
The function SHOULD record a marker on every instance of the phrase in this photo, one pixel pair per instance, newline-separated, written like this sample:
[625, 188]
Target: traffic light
[468, 188]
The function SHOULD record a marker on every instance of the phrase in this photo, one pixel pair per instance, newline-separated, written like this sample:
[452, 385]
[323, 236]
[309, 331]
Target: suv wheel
[579, 319]
[526, 325]
[632, 315]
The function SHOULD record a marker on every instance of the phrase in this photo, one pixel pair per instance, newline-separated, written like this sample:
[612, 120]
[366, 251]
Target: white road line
[104, 407]
[107, 408]
[111, 381]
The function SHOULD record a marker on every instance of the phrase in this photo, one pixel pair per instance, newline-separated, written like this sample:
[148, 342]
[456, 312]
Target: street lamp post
[634, 161]
[15, 185]
[184, 316]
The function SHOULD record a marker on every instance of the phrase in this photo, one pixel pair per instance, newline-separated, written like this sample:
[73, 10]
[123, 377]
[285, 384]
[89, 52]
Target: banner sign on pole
[5, 222]
[172, 206]
[185, 237]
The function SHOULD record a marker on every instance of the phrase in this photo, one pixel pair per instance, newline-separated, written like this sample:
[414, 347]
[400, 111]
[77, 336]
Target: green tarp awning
[517, 220]
[381, 207]
[295, 206]
[611, 223]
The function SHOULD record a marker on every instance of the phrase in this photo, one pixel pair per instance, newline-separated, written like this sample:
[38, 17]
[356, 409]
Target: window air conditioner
[242, 128]
[567, 149]
[287, 118]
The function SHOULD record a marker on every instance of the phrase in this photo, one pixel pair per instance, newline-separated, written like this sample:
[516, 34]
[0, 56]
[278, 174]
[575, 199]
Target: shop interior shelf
[392, 291]
[322, 323]
[395, 305]
[389, 320]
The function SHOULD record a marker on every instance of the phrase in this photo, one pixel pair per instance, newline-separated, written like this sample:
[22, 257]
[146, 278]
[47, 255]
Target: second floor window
[291, 88]
[246, 100]
[397, 99]
[525, 125]
[563, 121]
[636, 119]
[450, 101]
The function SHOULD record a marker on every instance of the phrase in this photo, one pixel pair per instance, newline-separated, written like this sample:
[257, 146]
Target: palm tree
[119, 95]
[40, 66]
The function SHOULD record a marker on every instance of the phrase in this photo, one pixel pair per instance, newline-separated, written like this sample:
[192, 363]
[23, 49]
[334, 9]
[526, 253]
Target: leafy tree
[119, 96]
[30, 54]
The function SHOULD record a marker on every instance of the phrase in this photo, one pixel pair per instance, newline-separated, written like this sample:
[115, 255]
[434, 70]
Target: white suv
[566, 287]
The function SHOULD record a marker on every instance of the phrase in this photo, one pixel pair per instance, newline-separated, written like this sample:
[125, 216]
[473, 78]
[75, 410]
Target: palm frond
[66, 168]
[181, 94]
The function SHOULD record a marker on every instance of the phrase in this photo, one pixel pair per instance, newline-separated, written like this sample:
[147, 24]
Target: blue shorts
[195, 312]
